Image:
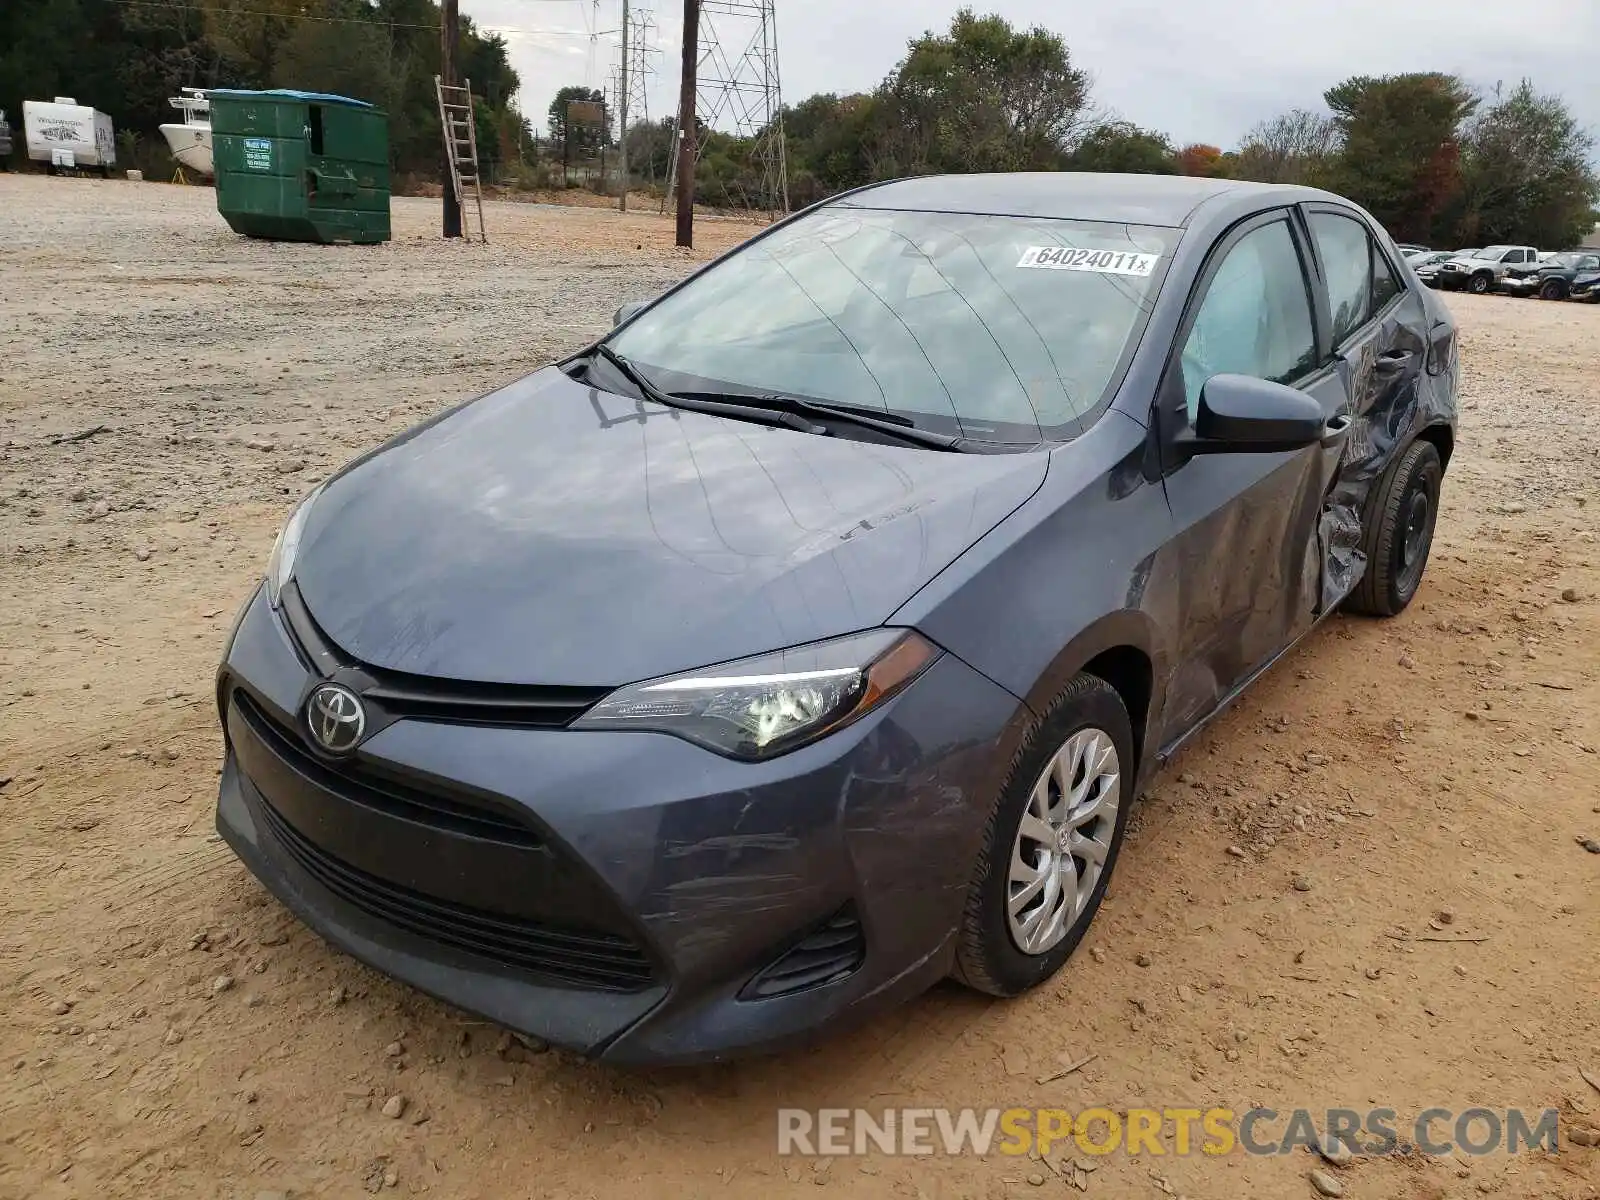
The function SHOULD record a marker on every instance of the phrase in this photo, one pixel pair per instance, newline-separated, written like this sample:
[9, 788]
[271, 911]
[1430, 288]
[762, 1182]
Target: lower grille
[831, 952]
[580, 959]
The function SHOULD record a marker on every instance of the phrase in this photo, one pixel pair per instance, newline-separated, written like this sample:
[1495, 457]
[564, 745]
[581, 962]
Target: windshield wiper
[718, 408]
[891, 424]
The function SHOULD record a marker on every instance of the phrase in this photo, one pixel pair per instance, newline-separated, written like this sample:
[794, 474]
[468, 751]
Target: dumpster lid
[290, 94]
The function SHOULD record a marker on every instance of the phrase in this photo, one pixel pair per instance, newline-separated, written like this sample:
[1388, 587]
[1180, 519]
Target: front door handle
[1394, 360]
[1335, 431]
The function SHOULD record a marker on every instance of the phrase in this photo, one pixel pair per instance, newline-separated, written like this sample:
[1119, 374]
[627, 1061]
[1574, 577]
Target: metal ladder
[461, 148]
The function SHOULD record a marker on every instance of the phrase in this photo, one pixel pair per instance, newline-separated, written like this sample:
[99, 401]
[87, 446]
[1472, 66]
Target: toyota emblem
[336, 718]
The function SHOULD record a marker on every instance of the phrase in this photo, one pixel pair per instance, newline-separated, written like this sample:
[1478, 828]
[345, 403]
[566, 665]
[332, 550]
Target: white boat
[190, 139]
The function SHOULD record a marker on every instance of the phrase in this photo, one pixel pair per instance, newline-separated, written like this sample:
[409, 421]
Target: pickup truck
[1486, 268]
[1553, 278]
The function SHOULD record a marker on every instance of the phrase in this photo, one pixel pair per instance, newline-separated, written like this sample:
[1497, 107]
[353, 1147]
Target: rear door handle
[1335, 431]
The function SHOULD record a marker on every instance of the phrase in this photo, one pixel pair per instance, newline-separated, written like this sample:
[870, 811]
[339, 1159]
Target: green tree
[1399, 146]
[356, 64]
[1123, 146]
[650, 147]
[826, 137]
[982, 97]
[1527, 174]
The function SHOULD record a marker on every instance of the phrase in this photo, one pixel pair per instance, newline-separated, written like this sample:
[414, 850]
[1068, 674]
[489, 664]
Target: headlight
[760, 707]
[280, 564]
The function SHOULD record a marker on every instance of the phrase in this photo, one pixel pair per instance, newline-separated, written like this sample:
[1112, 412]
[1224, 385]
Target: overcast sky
[1199, 70]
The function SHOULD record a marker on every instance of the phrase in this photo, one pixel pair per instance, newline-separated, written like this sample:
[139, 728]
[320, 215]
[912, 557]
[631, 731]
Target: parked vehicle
[1427, 268]
[1585, 285]
[190, 139]
[68, 136]
[808, 638]
[5, 142]
[1410, 248]
[1480, 272]
[1552, 279]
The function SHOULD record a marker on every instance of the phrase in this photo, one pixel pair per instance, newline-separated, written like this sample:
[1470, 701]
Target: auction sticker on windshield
[1106, 262]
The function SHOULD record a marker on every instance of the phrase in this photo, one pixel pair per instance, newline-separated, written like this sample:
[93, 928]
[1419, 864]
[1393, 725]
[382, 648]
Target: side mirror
[1240, 414]
[627, 310]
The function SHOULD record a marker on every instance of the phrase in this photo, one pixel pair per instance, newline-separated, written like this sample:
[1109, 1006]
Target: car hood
[550, 533]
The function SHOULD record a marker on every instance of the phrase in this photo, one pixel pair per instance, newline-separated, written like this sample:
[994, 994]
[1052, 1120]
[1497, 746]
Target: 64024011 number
[1073, 258]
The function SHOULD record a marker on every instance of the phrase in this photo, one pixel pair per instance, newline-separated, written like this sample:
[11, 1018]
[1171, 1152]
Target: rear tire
[1061, 773]
[1398, 531]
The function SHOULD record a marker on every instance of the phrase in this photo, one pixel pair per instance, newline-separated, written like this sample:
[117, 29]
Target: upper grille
[829, 953]
[396, 694]
[478, 818]
[477, 703]
[585, 959]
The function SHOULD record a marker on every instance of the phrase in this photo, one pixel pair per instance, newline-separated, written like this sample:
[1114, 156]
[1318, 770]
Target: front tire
[1051, 843]
[1478, 285]
[1553, 289]
[1398, 531]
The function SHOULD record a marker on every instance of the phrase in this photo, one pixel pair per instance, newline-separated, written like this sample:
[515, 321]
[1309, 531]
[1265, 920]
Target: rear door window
[1359, 278]
[1346, 254]
[1255, 317]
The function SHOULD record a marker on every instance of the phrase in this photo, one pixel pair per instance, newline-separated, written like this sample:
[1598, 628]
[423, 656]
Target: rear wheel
[1553, 289]
[1398, 531]
[1051, 843]
[1479, 284]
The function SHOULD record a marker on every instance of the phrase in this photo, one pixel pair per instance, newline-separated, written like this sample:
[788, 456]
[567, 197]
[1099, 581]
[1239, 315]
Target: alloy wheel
[1063, 841]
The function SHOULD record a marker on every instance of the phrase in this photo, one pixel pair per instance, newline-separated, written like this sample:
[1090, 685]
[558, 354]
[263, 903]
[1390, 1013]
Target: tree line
[1425, 153]
[127, 57]
[1433, 159]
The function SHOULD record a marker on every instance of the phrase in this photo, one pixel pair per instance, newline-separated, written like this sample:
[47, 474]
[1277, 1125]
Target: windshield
[1003, 329]
[1562, 260]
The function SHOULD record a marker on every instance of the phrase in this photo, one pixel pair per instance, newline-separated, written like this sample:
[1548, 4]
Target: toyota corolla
[806, 639]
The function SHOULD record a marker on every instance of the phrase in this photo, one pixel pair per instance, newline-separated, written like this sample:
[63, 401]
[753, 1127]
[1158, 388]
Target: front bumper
[613, 892]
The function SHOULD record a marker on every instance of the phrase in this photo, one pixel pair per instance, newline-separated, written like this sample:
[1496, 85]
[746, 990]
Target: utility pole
[622, 125]
[686, 126]
[449, 50]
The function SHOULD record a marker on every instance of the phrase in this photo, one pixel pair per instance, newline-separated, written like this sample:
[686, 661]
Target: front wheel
[1479, 284]
[1553, 289]
[1050, 844]
[1398, 531]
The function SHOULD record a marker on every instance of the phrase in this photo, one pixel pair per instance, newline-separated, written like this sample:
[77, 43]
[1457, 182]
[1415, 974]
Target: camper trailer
[67, 136]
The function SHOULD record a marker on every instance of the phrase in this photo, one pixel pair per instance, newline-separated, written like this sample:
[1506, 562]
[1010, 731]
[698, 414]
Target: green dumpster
[301, 166]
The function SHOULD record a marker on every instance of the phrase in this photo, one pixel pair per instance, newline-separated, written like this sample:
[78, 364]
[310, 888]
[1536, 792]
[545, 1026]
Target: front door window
[1255, 318]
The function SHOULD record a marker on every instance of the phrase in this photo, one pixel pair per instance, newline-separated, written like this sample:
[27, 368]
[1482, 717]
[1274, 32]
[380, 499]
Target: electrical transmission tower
[737, 91]
[630, 82]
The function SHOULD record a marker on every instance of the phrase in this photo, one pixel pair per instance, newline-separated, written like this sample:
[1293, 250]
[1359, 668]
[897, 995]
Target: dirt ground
[167, 390]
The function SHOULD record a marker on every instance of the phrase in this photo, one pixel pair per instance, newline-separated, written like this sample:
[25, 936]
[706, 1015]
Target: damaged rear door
[1378, 338]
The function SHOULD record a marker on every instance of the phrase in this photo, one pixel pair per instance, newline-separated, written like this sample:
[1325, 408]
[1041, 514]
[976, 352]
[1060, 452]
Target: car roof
[1169, 200]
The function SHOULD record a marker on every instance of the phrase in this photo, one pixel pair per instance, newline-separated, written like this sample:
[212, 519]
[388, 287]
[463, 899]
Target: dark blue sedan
[806, 640]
